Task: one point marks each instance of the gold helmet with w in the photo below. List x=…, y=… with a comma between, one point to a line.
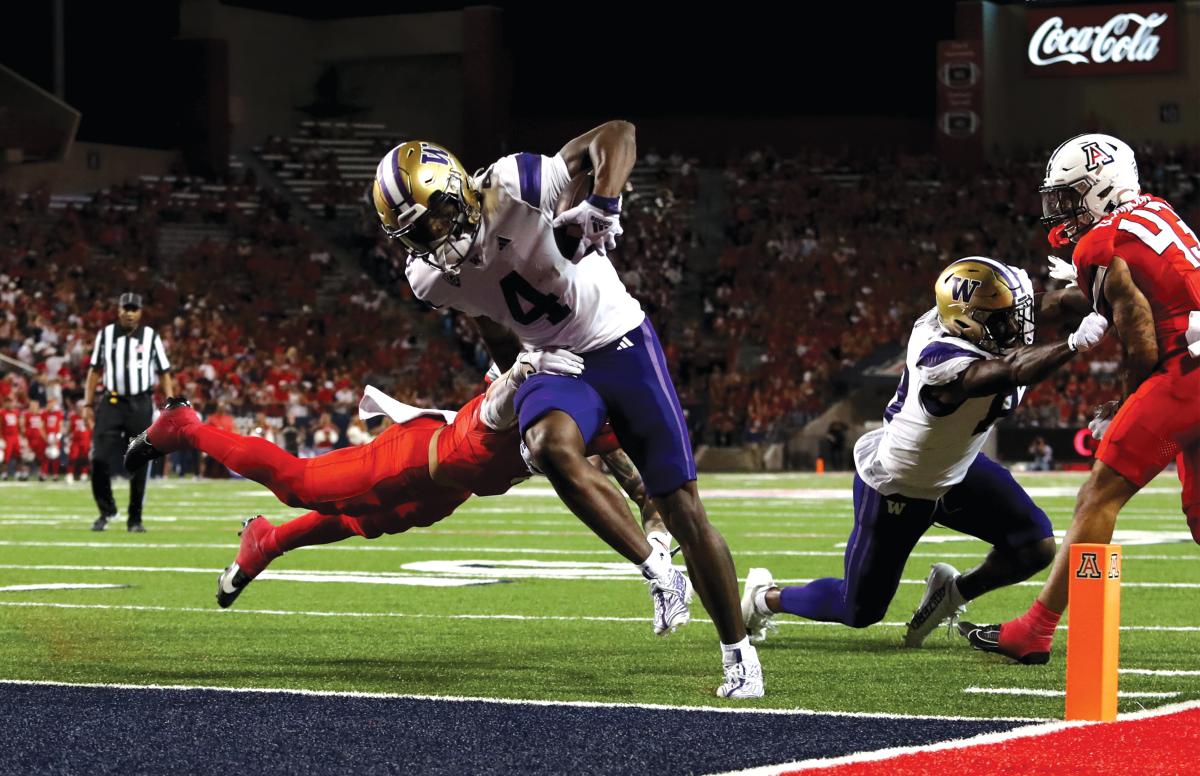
x=424, y=199
x=986, y=302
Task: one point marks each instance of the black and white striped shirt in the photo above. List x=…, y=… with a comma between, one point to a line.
x=131, y=362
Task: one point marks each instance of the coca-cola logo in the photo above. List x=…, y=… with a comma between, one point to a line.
x=1125, y=37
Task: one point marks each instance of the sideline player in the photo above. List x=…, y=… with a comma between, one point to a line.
x=968, y=362
x=1138, y=264
x=33, y=423
x=81, y=443
x=10, y=428
x=415, y=473
x=487, y=247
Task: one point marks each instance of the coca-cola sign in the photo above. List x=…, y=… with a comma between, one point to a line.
x=1097, y=40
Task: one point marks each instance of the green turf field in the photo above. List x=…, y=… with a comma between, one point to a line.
x=350, y=626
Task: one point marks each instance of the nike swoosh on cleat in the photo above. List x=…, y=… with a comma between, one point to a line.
x=227, y=580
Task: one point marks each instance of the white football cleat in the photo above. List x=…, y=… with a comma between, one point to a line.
x=743, y=679
x=671, y=595
x=941, y=603
x=758, y=624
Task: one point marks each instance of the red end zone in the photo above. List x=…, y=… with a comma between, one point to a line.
x=1154, y=742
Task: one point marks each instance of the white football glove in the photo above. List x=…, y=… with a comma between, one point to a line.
x=1063, y=270
x=1091, y=330
x=1102, y=417
x=600, y=229
x=553, y=361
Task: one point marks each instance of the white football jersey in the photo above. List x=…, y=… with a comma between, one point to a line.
x=516, y=275
x=926, y=446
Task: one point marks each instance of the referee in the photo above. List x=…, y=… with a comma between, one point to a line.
x=127, y=358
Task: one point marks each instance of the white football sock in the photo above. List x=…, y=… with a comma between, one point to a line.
x=657, y=564
x=760, y=601
x=659, y=539
x=741, y=652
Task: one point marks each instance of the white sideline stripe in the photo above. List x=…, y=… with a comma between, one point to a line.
x=511, y=701
x=359, y=577
x=59, y=586
x=1025, y=731
x=1156, y=672
x=500, y=617
x=483, y=572
x=1057, y=693
x=362, y=547
x=295, y=613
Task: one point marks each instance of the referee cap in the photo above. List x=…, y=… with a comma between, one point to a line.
x=130, y=299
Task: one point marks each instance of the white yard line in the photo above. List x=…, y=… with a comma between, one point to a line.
x=498, y=617
x=58, y=586
x=358, y=546
x=1057, y=693
x=1156, y=672
x=356, y=577
x=462, y=568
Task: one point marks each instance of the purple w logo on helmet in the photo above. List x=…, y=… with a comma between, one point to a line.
x=964, y=289
x=431, y=154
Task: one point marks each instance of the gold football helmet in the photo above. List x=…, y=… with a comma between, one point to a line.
x=986, y=302
x=424, y=199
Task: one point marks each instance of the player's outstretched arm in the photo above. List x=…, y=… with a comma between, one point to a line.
x=1134, y=321
x=503, y=346
x=1023, y=366
x=610, y=150
x=630, y=480
x=1064, y=304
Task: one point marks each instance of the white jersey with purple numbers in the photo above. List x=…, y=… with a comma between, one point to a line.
x=926, y=446
x=516, y=275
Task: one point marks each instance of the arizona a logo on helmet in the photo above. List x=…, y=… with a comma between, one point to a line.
x=1095, y=156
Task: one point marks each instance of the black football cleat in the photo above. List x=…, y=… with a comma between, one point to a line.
x=251, y=560
x=101, y=522
x=163, y=436
x=136, y=528
x=230, y=585
x=986, y=638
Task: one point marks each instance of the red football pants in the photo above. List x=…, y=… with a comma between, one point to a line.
x=370, y=490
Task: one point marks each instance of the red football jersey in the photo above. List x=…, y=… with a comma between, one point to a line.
x=54, y=421
x=79, y=424
x=485, y=461
x=35, y=424
x=10, y=421
x=1163, y=255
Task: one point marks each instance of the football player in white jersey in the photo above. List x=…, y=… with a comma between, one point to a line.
x=968, y=362
x=486, y=246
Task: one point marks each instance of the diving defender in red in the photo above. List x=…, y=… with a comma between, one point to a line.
x=415, y=473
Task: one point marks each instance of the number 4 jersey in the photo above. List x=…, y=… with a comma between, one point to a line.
x=1163, y=255
x=516, y=275
x=926, y=446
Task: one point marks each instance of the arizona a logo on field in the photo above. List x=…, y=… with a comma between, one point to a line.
x=1089, y=567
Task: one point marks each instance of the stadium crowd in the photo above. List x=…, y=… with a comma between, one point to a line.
x=257, y=330
x=823, y=264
